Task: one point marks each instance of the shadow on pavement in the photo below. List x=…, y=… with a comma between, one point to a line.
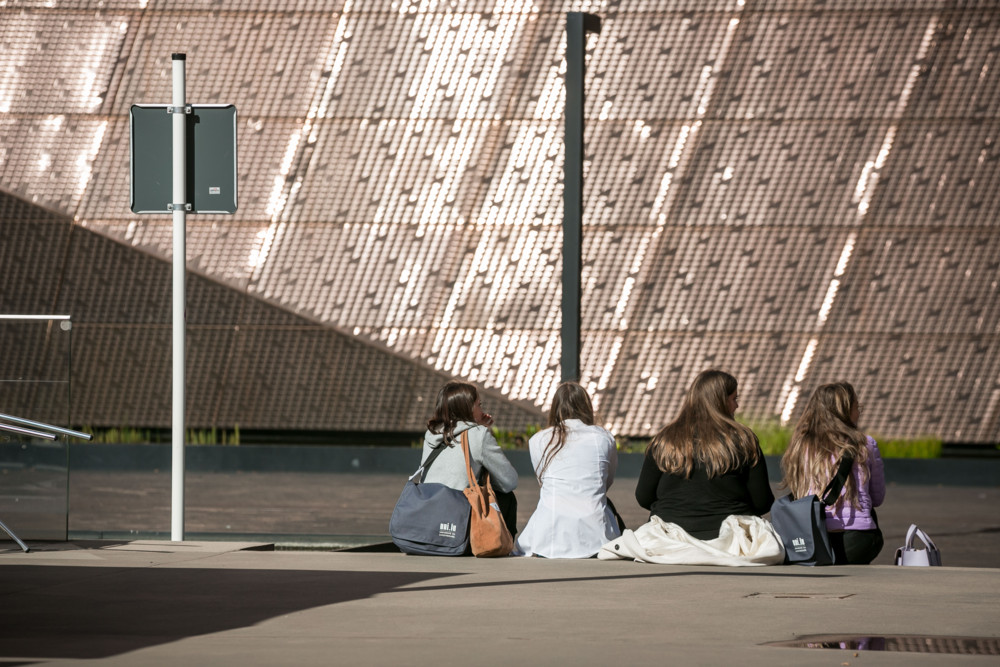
x=750, y=571
x=87, y=612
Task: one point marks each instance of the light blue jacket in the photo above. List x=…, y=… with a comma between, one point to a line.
x=449, y=467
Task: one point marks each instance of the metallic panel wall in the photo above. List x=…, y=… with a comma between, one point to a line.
x=797, y=191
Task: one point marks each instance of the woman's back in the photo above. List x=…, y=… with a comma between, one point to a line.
x=870, y=485
x=700, y=504
x=572, y=519
x=586, y=464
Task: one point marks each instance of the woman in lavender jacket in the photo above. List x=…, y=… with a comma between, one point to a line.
x=828, y=430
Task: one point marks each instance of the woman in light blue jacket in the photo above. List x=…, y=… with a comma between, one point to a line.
x=459, y=410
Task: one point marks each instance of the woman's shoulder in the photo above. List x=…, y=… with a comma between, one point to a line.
x=541, y=437
x=590, y=432
x=576, y=424
x=478, y=434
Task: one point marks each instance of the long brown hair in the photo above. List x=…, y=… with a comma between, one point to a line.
x=825, y=432
x=571, y=401
x=704, y=431
x=455, y=403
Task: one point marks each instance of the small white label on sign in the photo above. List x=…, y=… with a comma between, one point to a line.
x=214, y=190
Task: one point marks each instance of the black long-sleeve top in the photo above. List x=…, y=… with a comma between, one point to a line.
x=698, y=504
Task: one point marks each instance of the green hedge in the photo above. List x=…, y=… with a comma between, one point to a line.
x=774, y=439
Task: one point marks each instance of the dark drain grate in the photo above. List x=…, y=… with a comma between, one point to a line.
x=802, y=596
x=899, y=643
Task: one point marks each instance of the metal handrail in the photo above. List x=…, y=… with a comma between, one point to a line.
x=40, y=425
x=27, y=431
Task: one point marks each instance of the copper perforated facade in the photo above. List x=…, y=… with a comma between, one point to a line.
x=795, y=191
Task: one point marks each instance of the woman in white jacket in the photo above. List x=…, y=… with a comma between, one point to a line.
x=575, y=461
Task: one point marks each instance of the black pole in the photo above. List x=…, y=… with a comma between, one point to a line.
x=578, y=24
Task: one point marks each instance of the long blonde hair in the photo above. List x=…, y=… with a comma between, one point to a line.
x=823, y=435
x=705, y=432
x=571, y=401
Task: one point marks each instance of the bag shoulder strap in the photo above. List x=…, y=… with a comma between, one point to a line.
x=422, y=470
x=836, y=485
x=473, y=483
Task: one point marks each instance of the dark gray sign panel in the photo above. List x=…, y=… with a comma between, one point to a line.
x=211, y=158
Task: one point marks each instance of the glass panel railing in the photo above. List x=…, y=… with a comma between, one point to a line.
x=35, y=398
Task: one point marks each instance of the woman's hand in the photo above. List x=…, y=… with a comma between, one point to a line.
x=485, y=419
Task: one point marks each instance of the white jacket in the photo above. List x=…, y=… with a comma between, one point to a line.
x=572, y=519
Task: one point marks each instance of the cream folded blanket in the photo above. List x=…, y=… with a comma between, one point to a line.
x=743, y=541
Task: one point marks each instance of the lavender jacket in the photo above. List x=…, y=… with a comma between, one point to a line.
x=849, y=517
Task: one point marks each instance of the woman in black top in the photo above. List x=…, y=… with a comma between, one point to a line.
x=704, y=465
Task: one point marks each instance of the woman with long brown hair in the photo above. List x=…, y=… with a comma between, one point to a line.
x=827, y=432
x=704, y=465
x=574, y=460
x=459, y=409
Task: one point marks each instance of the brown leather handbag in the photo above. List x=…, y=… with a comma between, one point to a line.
x=488, y=534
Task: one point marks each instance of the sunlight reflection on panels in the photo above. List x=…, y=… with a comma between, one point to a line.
x=940, y=175
x=70, y=76
x=655, y=369
x=510, y=280
x=267, y=64
x=53, y=157
x=362, y=275
x=806, y=65
x=891, y=286
x=887, y=375
x=523, y=364
x=428, y=65
x=738, y=279
x=800, y=174
x=397, y=171
x=764, y=182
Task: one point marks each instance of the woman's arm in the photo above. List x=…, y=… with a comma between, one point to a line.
x=876, y=473
x=493, y=459
x=536, y=448
x=649, y=480
x=759, y=487
x=612, y=465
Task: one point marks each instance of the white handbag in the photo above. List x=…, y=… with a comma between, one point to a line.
x=910, y=555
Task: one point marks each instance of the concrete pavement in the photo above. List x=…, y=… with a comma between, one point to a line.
x=210, y=603
x=138, y=601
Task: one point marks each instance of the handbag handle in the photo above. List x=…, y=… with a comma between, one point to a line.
x=833, y=489
x=473, y=483
x=915, y=532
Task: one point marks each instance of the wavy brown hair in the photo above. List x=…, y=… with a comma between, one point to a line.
x=571, y=401
x=455, y=403
x=705, y=432
x=824, y=433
